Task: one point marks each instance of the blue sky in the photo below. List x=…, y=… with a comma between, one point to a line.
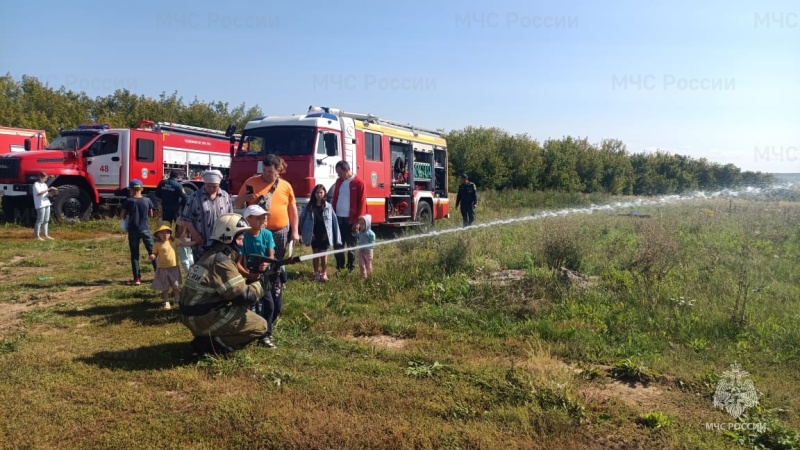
x=719, y=80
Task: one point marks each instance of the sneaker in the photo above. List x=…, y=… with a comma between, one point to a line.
x=137, y=281
x=317, y=276
x=266, y=342
x=324, y=277
x=166, y=305
x=39, y=238
x=49, y=238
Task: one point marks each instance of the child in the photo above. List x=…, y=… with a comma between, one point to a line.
x=168, y=273
x=365, y=237
x=136, y=213
x=319, y=229
x=258, y=241
x=185, y=256
x=41, y=202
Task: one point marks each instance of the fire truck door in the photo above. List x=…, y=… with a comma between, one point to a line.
x=326, y=155
x=103, y=160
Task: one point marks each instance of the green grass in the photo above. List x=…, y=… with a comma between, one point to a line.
x=468, y=340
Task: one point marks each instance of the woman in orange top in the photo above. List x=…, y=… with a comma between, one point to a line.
x=276, y=196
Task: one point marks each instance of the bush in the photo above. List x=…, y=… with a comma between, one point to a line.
x=659, y=251
x=561, y=247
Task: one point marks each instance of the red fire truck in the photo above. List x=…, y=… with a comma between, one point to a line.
x=93, y=165
x=21, y=139
x=404, y=167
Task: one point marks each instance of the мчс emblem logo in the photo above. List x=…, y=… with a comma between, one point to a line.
x=735, y=393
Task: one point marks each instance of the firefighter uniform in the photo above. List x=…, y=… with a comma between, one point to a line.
x=467, y=198
x=172, y=196
x=215, y=302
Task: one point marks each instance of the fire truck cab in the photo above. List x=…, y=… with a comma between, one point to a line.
x=404, y=167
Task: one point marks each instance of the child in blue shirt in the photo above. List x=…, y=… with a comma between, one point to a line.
x=259, y=242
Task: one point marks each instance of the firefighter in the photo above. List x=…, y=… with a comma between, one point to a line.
x=215, y=300
x=172, y=196
x=467, y=197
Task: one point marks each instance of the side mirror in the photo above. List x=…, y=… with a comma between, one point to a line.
x=27, y=145
x=230, y=131
x=232, y=140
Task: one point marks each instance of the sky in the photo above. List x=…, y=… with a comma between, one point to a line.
x=718, y=80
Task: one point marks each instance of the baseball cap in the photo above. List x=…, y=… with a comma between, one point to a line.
x=254, y=210
x=136, y=183
x=463, y=175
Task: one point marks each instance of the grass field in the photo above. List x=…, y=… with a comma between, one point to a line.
x=474, y=339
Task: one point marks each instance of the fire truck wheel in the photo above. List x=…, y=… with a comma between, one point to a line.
x=18, y=210
x=72, y=204
x=189, y=188
x=424, y=217
x=9, y=205
x=156, y=202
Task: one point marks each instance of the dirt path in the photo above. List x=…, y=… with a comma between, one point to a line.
x=11, y=310
x=11, y=313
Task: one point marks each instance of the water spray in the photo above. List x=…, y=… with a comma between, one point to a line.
x=756, y=193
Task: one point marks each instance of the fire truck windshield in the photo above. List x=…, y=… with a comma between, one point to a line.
x=71, y=141
x=279, y=140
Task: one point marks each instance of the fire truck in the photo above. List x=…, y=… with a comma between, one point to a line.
x=93, y=165
x=21, y=139
x=404, y=167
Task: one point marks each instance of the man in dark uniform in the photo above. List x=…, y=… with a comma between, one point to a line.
x=467, y=198
x=172, y=197
x=215, y=299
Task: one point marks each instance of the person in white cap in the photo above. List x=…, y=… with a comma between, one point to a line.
x=203, y=209
x=258, y=242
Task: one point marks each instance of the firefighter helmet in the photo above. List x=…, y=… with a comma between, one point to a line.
x=227, y=227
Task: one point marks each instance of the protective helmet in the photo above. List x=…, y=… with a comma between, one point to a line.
x=227, y=227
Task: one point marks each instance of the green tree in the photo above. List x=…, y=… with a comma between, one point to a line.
x=560, y=161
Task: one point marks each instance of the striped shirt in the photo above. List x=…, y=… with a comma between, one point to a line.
x=202, y=212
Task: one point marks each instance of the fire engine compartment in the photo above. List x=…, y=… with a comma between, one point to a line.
x=427, y=172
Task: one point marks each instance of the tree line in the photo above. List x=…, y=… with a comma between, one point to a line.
x=493, y=158
x=29, y=103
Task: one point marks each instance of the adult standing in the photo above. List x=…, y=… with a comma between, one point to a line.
x=202, y=210
x=41, y=202
x=467, y=198
x=136, y=213
x=172, y=196
x=349, y=204
x=276, y=196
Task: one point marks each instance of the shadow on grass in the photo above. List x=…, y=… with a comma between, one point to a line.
x=146, y=312
x=154, y=357
x=50, y=283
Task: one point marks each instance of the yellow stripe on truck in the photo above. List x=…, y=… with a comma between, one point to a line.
x=401, y=134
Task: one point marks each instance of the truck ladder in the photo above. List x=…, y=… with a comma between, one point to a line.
x=188, y=129
x=372, y=119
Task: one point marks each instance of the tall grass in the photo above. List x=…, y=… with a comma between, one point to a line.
x=469, y=340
